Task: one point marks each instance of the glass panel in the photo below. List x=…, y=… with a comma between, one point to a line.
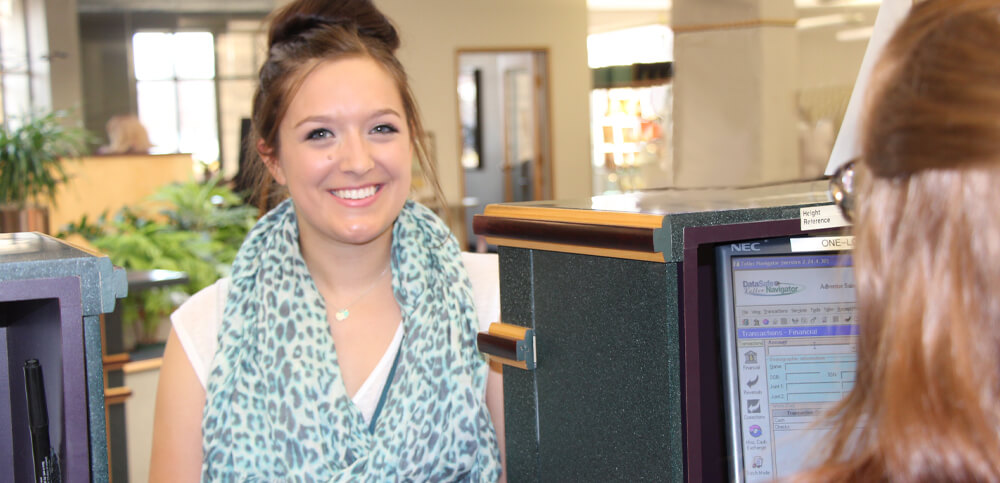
x=153, y=56
x=16, y=97
x=158, y=112
x=198, y=128
x=14, y=61
x=198, y=61
x=631, y=130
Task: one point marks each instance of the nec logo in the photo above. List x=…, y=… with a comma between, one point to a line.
x=745, y=247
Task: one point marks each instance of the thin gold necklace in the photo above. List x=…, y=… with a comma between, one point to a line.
x=344, y=313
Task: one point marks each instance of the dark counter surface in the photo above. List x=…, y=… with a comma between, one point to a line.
x=645, y=225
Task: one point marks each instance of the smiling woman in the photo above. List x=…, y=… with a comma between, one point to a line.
x=344, y=155
x=322, y=366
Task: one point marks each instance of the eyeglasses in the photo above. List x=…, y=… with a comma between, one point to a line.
x=842, y=189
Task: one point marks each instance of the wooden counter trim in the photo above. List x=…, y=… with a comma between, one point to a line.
x=567, y=215
x=595, y=236
x=116, y=395
x=142, y=365
x=115, y=362
x=578, y=249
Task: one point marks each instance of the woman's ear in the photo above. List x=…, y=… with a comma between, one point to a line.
x=270, y=159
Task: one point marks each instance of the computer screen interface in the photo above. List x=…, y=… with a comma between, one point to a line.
x=790, y=340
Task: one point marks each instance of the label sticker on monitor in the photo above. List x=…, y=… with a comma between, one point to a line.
x=819, y=217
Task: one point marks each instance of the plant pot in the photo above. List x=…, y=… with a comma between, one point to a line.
x=14, y=219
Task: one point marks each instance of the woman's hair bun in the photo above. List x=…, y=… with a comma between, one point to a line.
x=299, y=17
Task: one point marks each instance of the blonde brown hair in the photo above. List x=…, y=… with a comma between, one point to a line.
x=126, y=135
x=926, y=402
x=304, y=34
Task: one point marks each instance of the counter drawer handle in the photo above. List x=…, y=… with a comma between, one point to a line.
x=509, y=344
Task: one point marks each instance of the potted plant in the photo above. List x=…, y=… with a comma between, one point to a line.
x=192, y=227
x=32, y=154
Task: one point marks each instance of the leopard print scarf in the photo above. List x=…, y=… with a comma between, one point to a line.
x=276, y=408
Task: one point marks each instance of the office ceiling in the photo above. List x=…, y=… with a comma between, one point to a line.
x=176, y=6
x=604, y=15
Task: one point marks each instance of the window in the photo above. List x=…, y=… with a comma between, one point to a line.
x=24, y=70
x=175, y=90
x=240, y=50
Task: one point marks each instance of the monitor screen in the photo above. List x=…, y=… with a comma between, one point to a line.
x=789, y=339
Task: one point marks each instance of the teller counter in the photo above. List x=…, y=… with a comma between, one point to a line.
x=618, y=375
x=106, y=183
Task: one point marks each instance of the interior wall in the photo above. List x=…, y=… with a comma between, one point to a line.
x=432, y=32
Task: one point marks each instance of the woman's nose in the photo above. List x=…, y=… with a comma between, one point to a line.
x=354, y=154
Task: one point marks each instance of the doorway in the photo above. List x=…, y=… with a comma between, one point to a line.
x=503, y=103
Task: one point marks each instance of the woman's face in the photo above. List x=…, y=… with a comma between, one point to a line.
x=345, y=152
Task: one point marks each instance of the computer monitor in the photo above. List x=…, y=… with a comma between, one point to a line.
x=789, y=348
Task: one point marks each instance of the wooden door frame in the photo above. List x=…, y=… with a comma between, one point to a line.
x=545, y=153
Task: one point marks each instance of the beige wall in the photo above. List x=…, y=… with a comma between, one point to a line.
x=433, y=31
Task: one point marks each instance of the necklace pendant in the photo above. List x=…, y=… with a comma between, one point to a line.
x=342, y=314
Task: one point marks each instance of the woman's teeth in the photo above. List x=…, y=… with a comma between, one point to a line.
x=356, y=194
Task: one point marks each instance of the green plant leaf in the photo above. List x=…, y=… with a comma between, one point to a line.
x=32, y=156
x=192, y=227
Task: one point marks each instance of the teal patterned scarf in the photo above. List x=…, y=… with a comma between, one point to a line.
x=276, y=407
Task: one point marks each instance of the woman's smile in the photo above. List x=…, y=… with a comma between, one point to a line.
x=355, y=194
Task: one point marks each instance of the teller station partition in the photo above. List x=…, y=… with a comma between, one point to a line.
x=52, y=423
x=622, y=350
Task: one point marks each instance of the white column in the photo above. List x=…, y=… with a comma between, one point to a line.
x=735, y=78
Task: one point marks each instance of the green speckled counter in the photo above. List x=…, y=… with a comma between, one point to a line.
x=625, y=386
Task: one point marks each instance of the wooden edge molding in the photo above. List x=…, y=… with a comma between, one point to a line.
x=114, y=362
x=509, y=362
x=581, y=216
x=595, y=236
x=739, y=24
x=577, y=249
x=143, y=365
x=116, y=395
x=508, y=331
x=496, y=346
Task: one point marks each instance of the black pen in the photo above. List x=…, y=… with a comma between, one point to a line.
x=46, y=467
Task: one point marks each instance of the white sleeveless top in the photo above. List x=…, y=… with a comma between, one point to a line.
x=196, y=323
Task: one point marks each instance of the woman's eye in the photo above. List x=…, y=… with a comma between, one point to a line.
x=319, y=134
x=385, y=129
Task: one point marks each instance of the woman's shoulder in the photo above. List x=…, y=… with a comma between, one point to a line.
x=484, y=274
x=483, y=264
x=203, y=300
x=196, y=323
